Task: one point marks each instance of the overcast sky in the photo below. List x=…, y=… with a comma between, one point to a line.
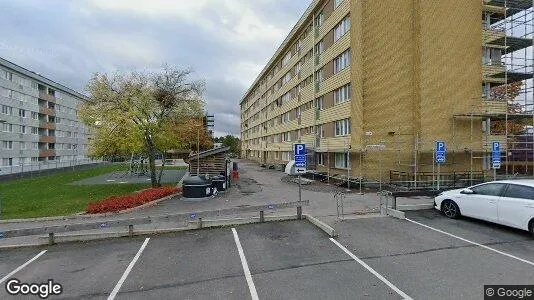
x=226, y=42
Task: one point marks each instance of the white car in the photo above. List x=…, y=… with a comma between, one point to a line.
x=506, y=202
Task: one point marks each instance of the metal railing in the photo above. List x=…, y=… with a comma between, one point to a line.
x=25, y=170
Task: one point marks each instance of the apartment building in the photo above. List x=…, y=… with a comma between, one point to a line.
x=38, y=121
x=370, y=86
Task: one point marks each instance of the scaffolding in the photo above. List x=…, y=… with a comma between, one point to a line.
x=506, y=111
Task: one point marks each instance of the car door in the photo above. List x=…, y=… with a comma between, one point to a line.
x=482, y=204
x=516, y=206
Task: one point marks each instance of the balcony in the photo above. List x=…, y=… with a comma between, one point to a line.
x=47, y=125
x=47, y=97
x=490, y=107
x=47, y=153
x=490, y=36
x=47, y=139
x=46, y=111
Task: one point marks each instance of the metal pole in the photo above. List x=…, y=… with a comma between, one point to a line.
x=348, y=169
x=415, y=161
x=434, y=165
x=439, y=170
x=361, y=173
x=300, y=191
x=198, y=151
x=494, y=174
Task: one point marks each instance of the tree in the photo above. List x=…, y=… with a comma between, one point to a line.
x=508, y=93
x=230, y=141
x=135, y=112
x=186, y=130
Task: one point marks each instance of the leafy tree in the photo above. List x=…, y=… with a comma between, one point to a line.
x=229, y=141
x=135, y=112
x=508, y=93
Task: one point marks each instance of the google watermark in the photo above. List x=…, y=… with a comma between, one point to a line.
x=43, y=290
x=509, y=292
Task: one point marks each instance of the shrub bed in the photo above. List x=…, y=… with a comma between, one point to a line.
x=118, y=203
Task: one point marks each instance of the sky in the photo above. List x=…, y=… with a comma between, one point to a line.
x=225, y=42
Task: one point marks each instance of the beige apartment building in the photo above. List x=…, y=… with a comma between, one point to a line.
x=370, y=86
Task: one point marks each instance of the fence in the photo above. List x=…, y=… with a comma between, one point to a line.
x=428, y=180
x=42, y=168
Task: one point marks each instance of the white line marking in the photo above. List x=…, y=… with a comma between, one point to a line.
x=127, y=271
x=250, y=283
x=22, y=266
x=474, y=243
x=384, y=280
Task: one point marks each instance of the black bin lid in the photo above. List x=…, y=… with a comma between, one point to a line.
x=193, y=180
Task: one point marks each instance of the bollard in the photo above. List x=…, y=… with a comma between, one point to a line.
x=262, y=218
x=130, y=230
x=51, y=238
x=199, y=223
x=299, y=212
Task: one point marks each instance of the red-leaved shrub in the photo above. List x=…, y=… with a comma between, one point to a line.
x=117, y=203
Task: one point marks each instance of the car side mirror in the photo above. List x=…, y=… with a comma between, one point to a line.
x=467, y=191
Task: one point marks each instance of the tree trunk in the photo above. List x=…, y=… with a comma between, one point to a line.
x=151, y=160
x=162, y=168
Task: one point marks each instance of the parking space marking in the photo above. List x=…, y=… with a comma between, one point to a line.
x=474, y=243
x=127, y=271
x=382, y=278
x=248, y=276
x=22, y=266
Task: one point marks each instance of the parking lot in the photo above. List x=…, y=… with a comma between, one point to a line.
x=373, y=258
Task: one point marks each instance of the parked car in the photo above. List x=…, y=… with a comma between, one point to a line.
x=506, y=202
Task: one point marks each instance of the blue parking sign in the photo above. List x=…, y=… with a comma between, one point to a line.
x=299, y=151
x=495, y=155
x=441, y=152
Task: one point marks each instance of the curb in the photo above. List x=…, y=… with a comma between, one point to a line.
x=321, y=225
x=396, y=213
x=192, y=225
x=83, y=215
x=415, y=206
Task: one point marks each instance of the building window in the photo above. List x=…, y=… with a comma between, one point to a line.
x=342, y=94
x=341, y=28
x=343, y=127
x=286, y=137
x=7, y=110
x=337, y=3
x=319, y=47
x=35, y=146
x=286, y=97
x=319, y=129
x=285, y=118
x=22, y=129
x=7, y=127
x=35, y=115
x=34, y=130
x=7, y=145
x=286, y=78
x=286, y=58
x=22, y=113
x=7, y=161
x=342, y=61
x=319, y=20
x=342, y=160
x=320, y=159
x=318, y=103
x=286, y=156
x=319, y=76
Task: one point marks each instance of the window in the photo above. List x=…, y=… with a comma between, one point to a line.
x=342, y=127
x=490, y=189
x=34, y=130
x=337, y=3
x=319, y=103
x=22, y=113
x=342, y=61
x=319, y=20
x=286, y=78
x=319, y=47
x=286, y=97
x=286, y=137
x=341, y=28
x=7, y=161
x=22, y=129
x=285, y=118
x=7, y=110
x=8, y=145
x=342, y=160
x=342, y=94
x=7, y=127
x=319, y=76
x=519, y=191
x=35, y=115
x=286, y=58
x=35, y=146
x=320, y=159
x=319, y=129
x=286, y=156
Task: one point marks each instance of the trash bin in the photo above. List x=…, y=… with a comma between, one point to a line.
x=219, y=182
x=234, y=166
x=196, y=187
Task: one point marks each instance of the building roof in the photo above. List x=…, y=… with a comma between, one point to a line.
x=284, y=44
x=210, y=152
x=16, y=68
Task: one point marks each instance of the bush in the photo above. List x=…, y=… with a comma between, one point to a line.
x=118, y=203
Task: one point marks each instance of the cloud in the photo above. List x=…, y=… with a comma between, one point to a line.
x=227, y=42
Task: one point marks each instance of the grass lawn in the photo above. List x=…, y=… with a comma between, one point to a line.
x=52, y=195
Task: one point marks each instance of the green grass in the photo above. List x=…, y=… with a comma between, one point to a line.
x=53, y=195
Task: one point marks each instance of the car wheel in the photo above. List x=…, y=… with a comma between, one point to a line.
x=531, y=227
x=450, y=209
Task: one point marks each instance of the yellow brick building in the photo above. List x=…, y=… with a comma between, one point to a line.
x=370, y=86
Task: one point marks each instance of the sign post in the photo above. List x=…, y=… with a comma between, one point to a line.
x=495, y=158
x=299, y=151
x=441, y=152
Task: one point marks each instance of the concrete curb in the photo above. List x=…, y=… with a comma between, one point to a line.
x=83, y=215
x=192, y=225
x=415, y=206
x=396, y=213
x=321, y=225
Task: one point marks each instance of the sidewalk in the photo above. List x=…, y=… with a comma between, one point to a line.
x=256, y=186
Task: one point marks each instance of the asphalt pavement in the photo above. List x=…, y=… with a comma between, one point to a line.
x=426, y=256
